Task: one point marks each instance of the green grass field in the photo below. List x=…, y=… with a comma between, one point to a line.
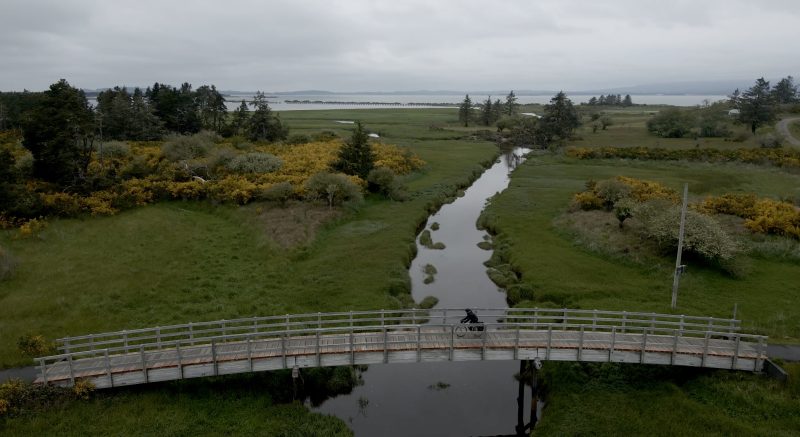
x=542, y=189
x=182, y=261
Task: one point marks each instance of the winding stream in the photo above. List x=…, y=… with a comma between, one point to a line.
x=449, y=398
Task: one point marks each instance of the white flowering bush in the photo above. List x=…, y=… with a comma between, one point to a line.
x=257, y=162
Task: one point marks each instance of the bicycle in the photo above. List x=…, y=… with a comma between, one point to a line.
x=465, y=327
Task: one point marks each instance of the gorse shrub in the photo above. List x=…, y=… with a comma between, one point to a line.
x=256, y=162
x=606, y=193
x=765, y=216
x=35, y=345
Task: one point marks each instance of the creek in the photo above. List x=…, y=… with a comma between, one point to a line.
x=447, y=398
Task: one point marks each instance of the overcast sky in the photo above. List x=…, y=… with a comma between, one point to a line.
x=394, y=44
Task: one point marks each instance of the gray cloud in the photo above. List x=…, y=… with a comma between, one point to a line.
x=388, y=45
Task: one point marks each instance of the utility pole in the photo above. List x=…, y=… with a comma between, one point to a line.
x=678, y=266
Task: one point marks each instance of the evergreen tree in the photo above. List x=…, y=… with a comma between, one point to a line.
x=628, y=101
x=560, y=118
x=486, y=112
x=757, y=105
x=465, y=111
x=511, y=106
x=785, y=91
x=59, y=134
x=497, y=110
x=356, y=156
x=263, y=125
x=241, y=118
x=593, y=101
x=602, y=100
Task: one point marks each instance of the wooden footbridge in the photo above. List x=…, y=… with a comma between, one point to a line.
x=398, y=336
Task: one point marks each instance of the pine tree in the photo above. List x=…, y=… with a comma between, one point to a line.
x=356, y=156
x=757, y=105
x=560, y=118
x=465, y=111
x=486, y=112
x=511, y=106
x=59, y=134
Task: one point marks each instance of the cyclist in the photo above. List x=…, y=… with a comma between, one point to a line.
x=470, y=318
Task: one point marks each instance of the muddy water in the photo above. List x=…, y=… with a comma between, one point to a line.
x=450, y=398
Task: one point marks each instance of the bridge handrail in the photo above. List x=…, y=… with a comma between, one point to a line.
x=355, y=318
x=278, y=335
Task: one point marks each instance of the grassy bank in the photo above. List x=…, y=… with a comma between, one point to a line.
x=567, y=272
x=545, y=254
x=185, y=261
x=656, y=401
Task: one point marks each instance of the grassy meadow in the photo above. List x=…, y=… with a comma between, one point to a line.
x=182, y=261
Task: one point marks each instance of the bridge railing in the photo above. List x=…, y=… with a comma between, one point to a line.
x=199, y=332
x=239, y=345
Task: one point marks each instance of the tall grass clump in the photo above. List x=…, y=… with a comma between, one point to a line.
x=8, y=264
x=186, y=147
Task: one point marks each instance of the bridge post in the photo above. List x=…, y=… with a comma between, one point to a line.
x=71, y=370
x=386, y=343
x=214, y=357
x=144, y=364
x=516, y=345
x=624, y=320
x=594, y=320
x=644, y=346
x=520, y=428
x=44, y=370
x=180, y=359
x=613, y=343
x=452, y=340
x=736, y=352
x=580, y=344
x=705, y=350
x=419, y=343
x=674, y=349
x=483, y=342
x=319, y=358
x=108, y=368
x=549, y=339
x=250, y=352
x=283, y=349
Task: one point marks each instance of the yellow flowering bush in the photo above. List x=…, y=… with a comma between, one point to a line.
x=233, y=189
x=766, y=216
x=32, y=227
x=191, y=190
x=642, y=190
x=99, y=203
x=605, y=193
x=400, y=160
x=61, y=204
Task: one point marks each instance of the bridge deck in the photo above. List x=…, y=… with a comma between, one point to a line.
x=420, y=343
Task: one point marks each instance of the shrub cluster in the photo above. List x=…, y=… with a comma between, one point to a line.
x=18, y=397
x=123, y=175
x=779, y=157
x=656, y=208
x=607, y=193
x=765, y=216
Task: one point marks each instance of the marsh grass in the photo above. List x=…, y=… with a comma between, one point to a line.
x=567, y=274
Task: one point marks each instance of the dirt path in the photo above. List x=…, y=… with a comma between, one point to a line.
x=783, y=128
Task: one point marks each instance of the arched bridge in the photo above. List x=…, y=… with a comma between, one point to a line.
x=399, y=336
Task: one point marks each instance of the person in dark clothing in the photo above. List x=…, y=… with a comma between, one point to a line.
x=470, y=318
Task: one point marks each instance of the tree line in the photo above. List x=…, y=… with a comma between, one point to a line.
x=60, y=128
x=556, y=124
x=611, y=100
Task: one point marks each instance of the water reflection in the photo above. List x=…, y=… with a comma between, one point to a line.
x=449, y=398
